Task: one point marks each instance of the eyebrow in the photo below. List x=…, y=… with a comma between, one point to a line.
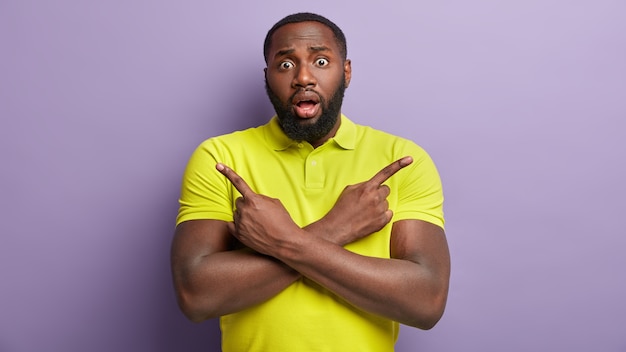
x=319, y=48
x=284, y=52
x=315, y=49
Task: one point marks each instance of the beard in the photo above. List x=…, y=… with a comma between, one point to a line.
x=294, y=127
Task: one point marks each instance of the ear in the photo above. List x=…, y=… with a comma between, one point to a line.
x=347, y=70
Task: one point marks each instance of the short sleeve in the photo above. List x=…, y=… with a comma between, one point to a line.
x=205, y=193
x=420, y=191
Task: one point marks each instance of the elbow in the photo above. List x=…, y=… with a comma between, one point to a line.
x=428, y=322
x=194, y=318
x=428, y=316
x=191, y=307
x=193, y=315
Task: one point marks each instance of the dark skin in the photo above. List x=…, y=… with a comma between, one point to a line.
x=224, y=267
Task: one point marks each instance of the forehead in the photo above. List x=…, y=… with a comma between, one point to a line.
x=307, y=34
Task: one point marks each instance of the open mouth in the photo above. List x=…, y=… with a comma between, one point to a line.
x=306, y=104
x=306, y=108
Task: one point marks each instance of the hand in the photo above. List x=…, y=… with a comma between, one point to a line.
x=361, y=209
x=259, y=222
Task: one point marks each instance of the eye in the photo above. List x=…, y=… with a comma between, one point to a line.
x=285, y=65
x=321, y=62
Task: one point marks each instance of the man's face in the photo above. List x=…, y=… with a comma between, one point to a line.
x=305, y=80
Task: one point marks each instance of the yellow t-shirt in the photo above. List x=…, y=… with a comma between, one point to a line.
x=306, y=316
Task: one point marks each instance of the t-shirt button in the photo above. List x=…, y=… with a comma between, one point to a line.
x=313, y=162
x=300, y=145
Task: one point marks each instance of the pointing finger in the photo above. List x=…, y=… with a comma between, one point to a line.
x=390, y=170
x=235, y=179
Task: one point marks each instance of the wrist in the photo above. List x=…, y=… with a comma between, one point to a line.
x=326, y=229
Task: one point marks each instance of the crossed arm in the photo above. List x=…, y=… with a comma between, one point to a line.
x=221, y=268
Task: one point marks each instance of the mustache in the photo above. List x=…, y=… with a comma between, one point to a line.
x=288, y=104
x=305, y=90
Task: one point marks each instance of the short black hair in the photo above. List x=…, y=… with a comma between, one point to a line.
x=340, y=38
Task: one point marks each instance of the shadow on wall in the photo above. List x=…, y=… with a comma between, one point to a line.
x=257, y=109
x=237, y=104
x=175, y=332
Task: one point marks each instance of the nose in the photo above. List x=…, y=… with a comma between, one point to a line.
x=303, y=77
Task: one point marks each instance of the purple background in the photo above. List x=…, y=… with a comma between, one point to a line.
x=521, y=104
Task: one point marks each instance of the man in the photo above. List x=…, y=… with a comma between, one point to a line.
x=310, y=232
